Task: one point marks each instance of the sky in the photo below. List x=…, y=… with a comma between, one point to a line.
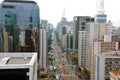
x=52, y=10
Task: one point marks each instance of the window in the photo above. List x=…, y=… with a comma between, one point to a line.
x=30, y=19
x=8, y=6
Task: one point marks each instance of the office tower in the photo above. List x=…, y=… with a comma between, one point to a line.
x=18, y=66
x=105, y=63
x=79, y=25
x=17, y=16
x=43, y=51
x=80, y=39
x=115, y=75
x=69, y=42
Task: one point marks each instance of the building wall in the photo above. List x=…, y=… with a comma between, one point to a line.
x=80, y=24
x=26, y=63
x=69, y=42
x=23, y=13
x=99, y=47
x=64, y=41
x=82, y=49
x=106, y=64
x=43, y=51
x=96, y=31
x=91, y=35
x=20, y=16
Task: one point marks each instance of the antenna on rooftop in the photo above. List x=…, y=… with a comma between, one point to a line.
x=101, y=7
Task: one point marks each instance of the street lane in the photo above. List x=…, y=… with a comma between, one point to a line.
x=66, y=69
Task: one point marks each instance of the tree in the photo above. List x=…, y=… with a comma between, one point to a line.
x=50, y=59
x=43, y=76
x=49, y=48
x=86, y=72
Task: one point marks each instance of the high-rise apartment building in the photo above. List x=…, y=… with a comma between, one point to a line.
x=80, y=38
x=79, y=25
x=101, y=46
x=16, y=17
x=96, y=31
x=105, y=63
x=43, y=51
x=104, y=42
x=82, y=49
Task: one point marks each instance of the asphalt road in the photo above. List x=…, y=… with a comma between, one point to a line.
x=67, y=73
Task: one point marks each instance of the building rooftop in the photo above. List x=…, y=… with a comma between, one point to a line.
x=116, y=72
x=21, y=1
x=16, y=58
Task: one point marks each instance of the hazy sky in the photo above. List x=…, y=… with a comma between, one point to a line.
x=52, y=10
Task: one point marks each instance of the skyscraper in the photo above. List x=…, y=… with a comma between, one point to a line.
x=43, y=51
x=17, y=16
x=80, y=38
x=102, y=27
x=79, y=25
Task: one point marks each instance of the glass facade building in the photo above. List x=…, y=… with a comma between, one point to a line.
x=18, y=16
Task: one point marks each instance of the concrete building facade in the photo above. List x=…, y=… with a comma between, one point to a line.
x=43, y=51
x=82, y=49
x=97, y=48
x=105, y=63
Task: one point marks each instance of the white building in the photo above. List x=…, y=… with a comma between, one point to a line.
x=43, y=50
x=82, y=49
x=97, y=48
x=96, y=31
x=105, y=63
x=18, y=66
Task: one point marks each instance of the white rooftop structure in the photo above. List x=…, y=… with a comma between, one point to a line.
x=16, y=61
